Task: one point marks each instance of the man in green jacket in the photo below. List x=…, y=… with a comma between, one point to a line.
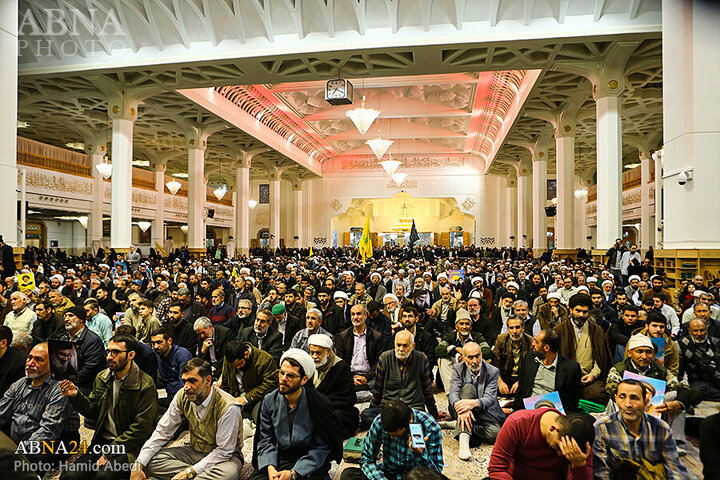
x=123, y=403
x=248, y=374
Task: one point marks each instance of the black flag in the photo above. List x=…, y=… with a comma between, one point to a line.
x=414, y=237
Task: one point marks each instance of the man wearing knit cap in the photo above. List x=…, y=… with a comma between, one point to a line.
x=334, y=380
x=297, y=435
x=585, y=342
x=90, y=348
x=640, y=360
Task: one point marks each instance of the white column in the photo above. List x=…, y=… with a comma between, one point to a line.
x=197, y=193
x=242, y=210
x=502, y=212
x=524, y=208
x=122, y=154
x=646, y=224
x=275, y=212
x=565, y=169
x=8, y=120
x=299, y=217
x=691, y=123
x=95, y=219
x=579, y=214
x=609, y=170
x=539, y=194
x=511, y=212
x=157, y=232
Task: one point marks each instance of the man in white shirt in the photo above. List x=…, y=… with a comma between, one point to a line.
x=20, y=319
x=626, y=260
x=216, y=435
x=668, y=311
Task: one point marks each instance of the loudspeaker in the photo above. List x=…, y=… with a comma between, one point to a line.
x=550, y=211
x=211, y=213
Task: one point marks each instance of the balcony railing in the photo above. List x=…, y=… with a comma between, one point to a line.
x=46, y=163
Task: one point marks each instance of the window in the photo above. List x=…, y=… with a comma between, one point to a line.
x=264, y=193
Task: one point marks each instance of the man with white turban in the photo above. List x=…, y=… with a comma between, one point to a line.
x=334, y=380
x=297, y=431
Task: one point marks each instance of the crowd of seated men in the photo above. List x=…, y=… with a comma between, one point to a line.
x=311, y=350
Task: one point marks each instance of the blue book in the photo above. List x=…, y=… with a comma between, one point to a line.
x=547, y=400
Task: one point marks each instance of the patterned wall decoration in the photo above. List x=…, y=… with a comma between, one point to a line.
x=320, y=240
x=336, y=204
x=145, y=198
x=58, y=183
x=177, y=203
x=262, y=218
x=487, y=241
x=407, y=185
x=370, y=163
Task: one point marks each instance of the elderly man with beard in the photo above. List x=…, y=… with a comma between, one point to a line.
x=392, y=309
x=222, y=313
x=656, y=286
x=33, y=409
x=376, y=290
x=248, y=375
x=123, y=404
x=508, y=355
x=211, y=343
x=313, y=322
x=216, y=433
x=586, y=343
x=444, y=309
x=60, y=303
x=20, y=319
x=632, y=435
x=449, y=351
x=90, y=348
x=700, y=359
x=297, y=434
x=262, y=336
x=402, y=374
x=678, y=397
x=553, y=312
x=361, y=346
x=334, y=380
x=473, y=400
x=245, y=315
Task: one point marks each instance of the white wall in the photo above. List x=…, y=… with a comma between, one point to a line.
x=69, y=234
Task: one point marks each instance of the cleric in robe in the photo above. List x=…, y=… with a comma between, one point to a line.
x=297, y=435
x=334, y=380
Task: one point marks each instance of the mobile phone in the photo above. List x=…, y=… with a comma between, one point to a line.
x=416, y=436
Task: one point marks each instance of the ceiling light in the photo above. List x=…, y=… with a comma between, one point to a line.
x=83, y=221
x=104, y=169
x=76, y=145
x=363, y=117
x=580, y=193
x=184, y=229
x=632, y=165
x=173, y=186
x=379, y=146
x=22, y=124
x=141, y=163
x=220, y=192
x=252, y=204
x=399, y=178
x=180, y=175
x=144, y=226
x=391, y=166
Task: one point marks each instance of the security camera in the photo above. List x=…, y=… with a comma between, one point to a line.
x=684, y=177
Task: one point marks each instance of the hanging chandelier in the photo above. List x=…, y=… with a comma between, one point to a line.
x=143, y=225
x=363, y=117
x=379, y=145
x=399, y=178
x=580, y=193
x=404, y=222
x=104, y=169
x=252, y=204
x=220, y=192
x=173, y=186
x=390, y=166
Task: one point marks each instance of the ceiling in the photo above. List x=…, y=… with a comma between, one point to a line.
x=422, y=63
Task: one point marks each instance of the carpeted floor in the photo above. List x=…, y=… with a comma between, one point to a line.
x=455, y=468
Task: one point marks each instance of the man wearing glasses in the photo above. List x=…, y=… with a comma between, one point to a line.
x=123, y=404
x=297, y=431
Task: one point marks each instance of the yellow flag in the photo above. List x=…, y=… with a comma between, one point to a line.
x=235, y=273
x=160, y=248
x=365, y=246
x=311, y=252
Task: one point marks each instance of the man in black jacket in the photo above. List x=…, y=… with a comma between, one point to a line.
x=362, y=365
x=211, y=343
x=288, y=325
x=48, y=323
x=622, y=330
x=12, y=360
x=424, y=341
x=90, y=348
x=547, y=371
x=183, y=334
x=380, y=322
x=263, y=336
x=333, y=317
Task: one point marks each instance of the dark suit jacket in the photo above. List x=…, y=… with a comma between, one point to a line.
x=345, y=341
x=503, y=357
x=91, y=358
x=381, y=323
x=292, y=326
x=272, y=343
x=490, y=327
x=55, y=327
x=567, y=382
x=221, y=337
